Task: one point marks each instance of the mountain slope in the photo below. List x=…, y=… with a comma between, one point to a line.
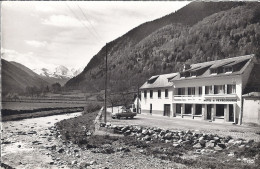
x=16, y=77
x=195, y=33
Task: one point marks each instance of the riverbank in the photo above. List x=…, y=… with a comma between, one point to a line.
x=137, y=146
x=9, y=115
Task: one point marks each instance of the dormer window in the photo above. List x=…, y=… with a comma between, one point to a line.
x=182, y=75
x=193, y=74
x=214, y=71
x=228, y=69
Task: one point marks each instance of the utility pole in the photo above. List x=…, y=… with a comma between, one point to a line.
x=105, y=116
x=137, y=99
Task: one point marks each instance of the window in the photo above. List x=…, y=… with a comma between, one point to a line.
x=166, y=93
x=151, y=93
x=213, y=71
x=178, y=108
x=219, y=89
x=181, y=91
x=231, y=89
x=182, y=75
x=145, y=94
x=193, y=74
x=159, y=94
x=200, y=91
x=208, y=90
x=188, y=108
x=191, y=90
x=228, y=69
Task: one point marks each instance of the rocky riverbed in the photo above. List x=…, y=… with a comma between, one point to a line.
x=26, y=143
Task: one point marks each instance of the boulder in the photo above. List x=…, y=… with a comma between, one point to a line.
x=156, y=129
x=128, y=132
x=74, y=162
x=221, y=145
x=250, y=141
x=61, y=150
x=162, y=133
x=210, y=144
x=151, y=132
x=238, y=142
x=144, y=132
x=241, y=146
x=168, y=136
x=197, y=145
x=188, y=132
x=155, y=136
x=176, y=145
x=201, y=138
x=139, y=135
x=202, y=142
x=124, y=129
x=147, y=138
x=180, y=141
x=168, y=141
x=186, y=142
x=217, y=139
x=218, y=148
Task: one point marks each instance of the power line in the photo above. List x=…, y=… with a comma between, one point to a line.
x=85, y=16
x=83, y=24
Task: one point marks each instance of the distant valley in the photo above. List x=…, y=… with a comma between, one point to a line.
x=16, y=78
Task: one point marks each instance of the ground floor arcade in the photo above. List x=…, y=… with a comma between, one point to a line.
x=213, y=112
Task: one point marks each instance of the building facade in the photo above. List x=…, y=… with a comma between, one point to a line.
x=157, y=95
x=207, y=91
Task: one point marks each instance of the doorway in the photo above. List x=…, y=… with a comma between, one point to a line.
x=231, y=113
x=220, y=108
x=209, y=107
x=167, y=110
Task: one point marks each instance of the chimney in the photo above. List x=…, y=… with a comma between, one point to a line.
x=186, y=67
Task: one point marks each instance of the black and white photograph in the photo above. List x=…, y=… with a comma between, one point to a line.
x=130, y=84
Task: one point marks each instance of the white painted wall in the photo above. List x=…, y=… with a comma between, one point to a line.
x=251, y=111
x=157, y=103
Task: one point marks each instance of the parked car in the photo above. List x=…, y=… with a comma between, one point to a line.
x=123, y=112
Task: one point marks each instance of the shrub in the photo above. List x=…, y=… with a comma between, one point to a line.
x=91, y=108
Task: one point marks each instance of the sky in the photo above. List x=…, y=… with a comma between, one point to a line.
x=46, y=34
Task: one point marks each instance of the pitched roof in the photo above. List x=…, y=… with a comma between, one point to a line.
x=216, y=64
x=160, y=81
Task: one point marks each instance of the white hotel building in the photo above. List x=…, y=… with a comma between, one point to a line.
x=207, y=91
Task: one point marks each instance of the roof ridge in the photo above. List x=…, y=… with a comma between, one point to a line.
x=224, y=59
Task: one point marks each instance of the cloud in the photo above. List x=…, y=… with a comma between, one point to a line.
x=35, y=43
x=65, y=21
x=28, y=59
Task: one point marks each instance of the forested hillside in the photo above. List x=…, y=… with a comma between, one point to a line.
x=201, y=31
x=16, y=77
